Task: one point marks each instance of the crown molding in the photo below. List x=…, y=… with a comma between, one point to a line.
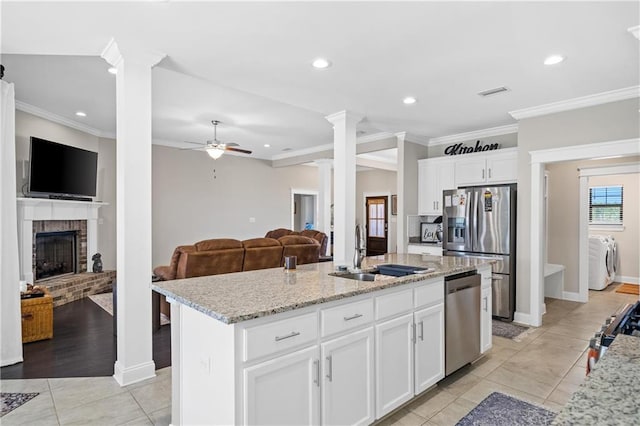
x=329, y=147
x=374, y=137
x=635, y=31
x=576, y=103
x=304, y=151
x=39, y=112
x=477, y=134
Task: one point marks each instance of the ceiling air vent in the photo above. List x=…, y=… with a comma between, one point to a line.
x=493, y=91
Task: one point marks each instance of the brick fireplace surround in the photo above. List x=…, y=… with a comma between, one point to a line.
x=43, y=215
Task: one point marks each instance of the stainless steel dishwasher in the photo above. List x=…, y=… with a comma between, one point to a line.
x=462, y=320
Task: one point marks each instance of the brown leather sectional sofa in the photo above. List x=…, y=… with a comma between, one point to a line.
x=320, y=237
x=225, y=255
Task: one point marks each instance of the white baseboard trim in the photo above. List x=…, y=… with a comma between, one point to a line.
x=629, y=280
x=522, y=318
x=573, y=297
x=126, y=376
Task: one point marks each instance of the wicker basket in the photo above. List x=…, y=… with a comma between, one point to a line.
x=37, y=318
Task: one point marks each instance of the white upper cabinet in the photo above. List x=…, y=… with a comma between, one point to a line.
x=493, y=167
x=434, y=176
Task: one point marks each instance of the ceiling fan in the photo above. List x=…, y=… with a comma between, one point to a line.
x=215, y=148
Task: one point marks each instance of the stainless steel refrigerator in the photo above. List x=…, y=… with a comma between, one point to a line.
x=481, y=221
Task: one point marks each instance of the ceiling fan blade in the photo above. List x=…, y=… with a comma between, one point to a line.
x=244, y=151
x=231, y=144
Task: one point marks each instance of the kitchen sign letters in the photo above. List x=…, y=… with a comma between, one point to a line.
x=459, y=148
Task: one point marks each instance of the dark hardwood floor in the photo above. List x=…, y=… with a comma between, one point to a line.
x=83, y=345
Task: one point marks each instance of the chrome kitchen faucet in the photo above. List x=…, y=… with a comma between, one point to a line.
x=360, y=248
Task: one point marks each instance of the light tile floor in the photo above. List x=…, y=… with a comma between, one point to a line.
x=545, y=367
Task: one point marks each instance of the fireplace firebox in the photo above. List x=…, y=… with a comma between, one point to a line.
x=55, y=254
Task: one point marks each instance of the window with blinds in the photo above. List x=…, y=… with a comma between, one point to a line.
x=605, y=205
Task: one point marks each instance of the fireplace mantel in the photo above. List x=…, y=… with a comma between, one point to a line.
x=30, y=209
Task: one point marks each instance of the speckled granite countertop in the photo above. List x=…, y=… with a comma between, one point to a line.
x=242, y=296
x=610, y=394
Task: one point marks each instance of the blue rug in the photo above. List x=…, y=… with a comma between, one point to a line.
x=502, y=410
x=11, y=401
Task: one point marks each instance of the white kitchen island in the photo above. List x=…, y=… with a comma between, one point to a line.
x=305, y=347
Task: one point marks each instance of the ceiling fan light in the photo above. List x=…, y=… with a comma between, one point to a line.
x=215, y=152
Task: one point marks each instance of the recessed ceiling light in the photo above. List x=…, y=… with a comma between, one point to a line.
x=409, y=100
x=81, y=114
x=321, y=63
x=553, y=59
x=266, y=145
x=113, y=70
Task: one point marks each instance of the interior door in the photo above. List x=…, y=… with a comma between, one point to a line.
x=377, y=226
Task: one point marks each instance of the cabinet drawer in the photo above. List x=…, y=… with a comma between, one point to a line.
x=274, y=337
x=346, y=317
x=393, y=304
x=429, y=293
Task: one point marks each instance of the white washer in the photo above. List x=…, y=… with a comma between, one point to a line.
x=601, y=262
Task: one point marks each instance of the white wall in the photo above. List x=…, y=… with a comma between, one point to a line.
x=377, y=182
x=564, y=208
x=28, y=125
x=190, y=205
x=607, y=122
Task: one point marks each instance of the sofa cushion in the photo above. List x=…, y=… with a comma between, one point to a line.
x=307, y=250
x=320, y=237
x=166, y=273
x=218, y=244
x=262, y=253
x=280, y=232
x=211, y=262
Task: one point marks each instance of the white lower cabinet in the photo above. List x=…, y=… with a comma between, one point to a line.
x=485, y=320
x=347, y=379
x=283, y=391
x=348, y=362
x=433, y=250
x=409, y=357
x=429, y=356
x=486, y=310
x=394, y=364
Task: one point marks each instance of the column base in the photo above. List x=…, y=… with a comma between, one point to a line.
x=126, y=376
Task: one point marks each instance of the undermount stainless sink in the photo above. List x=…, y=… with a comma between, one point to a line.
x=359, y=276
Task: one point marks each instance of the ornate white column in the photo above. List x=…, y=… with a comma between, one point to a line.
x=401, y=224
x=134, y=361
x=344, y=185
x=324, y=198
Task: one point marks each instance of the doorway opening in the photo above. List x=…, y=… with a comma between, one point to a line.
x=377, y=225
x=304, y=209
x=539, y=160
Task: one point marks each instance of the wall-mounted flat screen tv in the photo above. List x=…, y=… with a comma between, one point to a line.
x=57, y=169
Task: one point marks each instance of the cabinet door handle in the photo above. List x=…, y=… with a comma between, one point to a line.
x=292, y=334
x=434, y=205
x=316, y=366
x=484, y=304
x=330, y=368
x=352, y=317
x=27, y=316
x=413, y=332
x=482, y=173
x=437, y=204
x=422, y=330
x=489, y=173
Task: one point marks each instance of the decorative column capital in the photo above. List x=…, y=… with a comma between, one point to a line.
x=401, y=136
x=114, y=54
x=347, y=116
